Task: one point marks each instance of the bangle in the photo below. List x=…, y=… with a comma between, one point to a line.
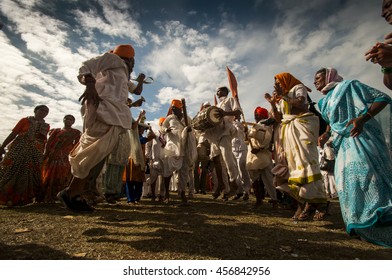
x=367, y=116
x=386, y=70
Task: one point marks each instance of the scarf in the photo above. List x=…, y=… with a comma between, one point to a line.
x=332, y=78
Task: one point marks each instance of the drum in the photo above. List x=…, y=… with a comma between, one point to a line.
x=206, y=118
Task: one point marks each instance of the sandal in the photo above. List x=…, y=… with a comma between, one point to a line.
x=322, y=212
x=319, y=215
x=305, y=214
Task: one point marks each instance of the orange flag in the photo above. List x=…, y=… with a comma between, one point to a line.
x=232, y=82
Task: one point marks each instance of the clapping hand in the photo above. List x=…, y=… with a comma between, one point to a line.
x=271, y=99
x=381, y=53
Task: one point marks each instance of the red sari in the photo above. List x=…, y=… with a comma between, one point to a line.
x=56, y=170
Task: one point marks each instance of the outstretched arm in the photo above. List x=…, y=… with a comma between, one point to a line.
x=136, y=123
x=139, y=87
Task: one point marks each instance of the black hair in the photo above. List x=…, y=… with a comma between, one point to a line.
x=322, y=71
x=40, y=107
x=226, y=89
x=69, y=116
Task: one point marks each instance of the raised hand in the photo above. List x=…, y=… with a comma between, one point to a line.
x=140, y=78
x=269, y=98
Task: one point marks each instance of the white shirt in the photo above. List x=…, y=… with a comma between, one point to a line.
x=112, y=85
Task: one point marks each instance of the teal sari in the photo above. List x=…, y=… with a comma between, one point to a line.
x=363, y=170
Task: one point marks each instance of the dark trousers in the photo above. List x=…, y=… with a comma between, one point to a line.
x=134, y=190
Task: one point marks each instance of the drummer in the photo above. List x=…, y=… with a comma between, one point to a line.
x=221, y=136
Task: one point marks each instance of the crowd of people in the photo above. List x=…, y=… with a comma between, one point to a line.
x=291, y=153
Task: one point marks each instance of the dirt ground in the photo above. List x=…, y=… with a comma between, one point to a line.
x=206, y=229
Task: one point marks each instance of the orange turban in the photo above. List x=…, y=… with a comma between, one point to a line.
x=161, y=120
x=288, y=81
x=176, y=103
x=125, y=51
x=262, y=112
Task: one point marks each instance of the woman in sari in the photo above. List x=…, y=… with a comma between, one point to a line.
x=20, y=169
x=363, y=167
x=297, y=168
x=56, y=170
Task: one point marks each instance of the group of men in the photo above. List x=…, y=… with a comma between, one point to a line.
x=237, y=157
x=176, y=150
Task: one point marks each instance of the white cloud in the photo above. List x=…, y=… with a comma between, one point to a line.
x=44, y=39
x=184, y=60
x=116, y=21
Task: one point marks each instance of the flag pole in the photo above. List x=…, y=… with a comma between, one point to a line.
x=234, y=92
x=233, y=88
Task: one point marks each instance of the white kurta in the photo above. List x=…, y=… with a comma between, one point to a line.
x=180, y=149
x=102, y=125
x=221, y=136
x=260, y=164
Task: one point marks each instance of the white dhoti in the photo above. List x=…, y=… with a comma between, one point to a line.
x=95, y=144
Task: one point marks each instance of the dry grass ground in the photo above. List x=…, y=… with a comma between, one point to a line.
x=207, y=229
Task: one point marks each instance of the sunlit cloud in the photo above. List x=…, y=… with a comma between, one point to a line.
x=186, y=54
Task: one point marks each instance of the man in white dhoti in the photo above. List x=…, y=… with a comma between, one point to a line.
x=221, y=135
x=106, y=116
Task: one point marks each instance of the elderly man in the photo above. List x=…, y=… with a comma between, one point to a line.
x=106, y=116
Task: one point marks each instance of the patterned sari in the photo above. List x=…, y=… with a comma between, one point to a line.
x=20, y=170
x=56, y=171
x=363, y=167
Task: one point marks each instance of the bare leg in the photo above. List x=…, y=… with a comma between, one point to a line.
x=300, y=209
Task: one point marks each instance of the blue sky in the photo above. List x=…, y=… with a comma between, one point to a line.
x=184, y=45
